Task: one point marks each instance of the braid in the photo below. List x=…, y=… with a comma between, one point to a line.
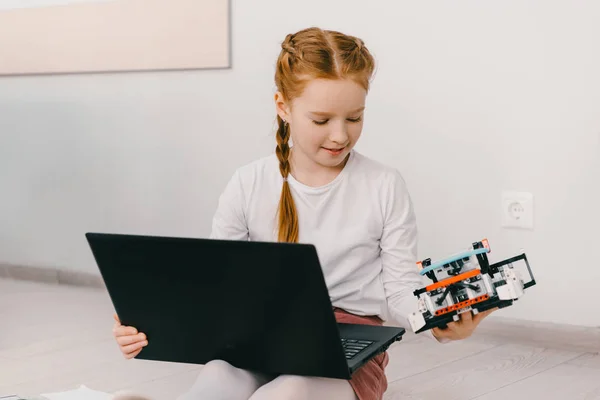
x=359, y=44
x=283, y=148
x=289, y=56
x=288, y=218
x=288, y=44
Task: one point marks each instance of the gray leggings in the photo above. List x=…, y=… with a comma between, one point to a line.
x=219, y=380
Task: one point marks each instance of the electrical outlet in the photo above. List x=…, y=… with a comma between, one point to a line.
x=517, y=210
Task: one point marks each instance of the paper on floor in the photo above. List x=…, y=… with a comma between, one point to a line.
x=83, y=393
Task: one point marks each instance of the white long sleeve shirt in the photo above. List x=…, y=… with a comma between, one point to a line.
x=362, y=225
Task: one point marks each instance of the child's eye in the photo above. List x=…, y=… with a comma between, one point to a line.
x=323, y=122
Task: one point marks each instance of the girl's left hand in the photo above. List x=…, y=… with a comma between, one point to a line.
x=463, y=328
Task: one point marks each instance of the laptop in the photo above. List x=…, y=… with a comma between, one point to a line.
x=261, y=306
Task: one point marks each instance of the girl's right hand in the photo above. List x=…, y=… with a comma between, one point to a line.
x=129, y=339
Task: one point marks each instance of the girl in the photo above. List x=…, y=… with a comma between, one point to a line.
x=356, y=211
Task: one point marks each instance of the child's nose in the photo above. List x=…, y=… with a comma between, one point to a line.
x=339, y=134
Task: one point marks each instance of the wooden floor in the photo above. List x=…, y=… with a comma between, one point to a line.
x=56, y=338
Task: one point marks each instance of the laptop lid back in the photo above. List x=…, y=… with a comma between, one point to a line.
x=257, y=305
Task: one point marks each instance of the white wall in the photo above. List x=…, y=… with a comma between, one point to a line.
x=471, y=98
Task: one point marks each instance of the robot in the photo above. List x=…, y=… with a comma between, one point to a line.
x=467, y=282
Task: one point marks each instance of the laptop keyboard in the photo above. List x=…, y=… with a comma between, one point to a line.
x=353, y=346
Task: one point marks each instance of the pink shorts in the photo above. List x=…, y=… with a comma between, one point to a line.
x=369, y=382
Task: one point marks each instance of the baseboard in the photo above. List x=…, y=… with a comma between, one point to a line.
x=51, y=276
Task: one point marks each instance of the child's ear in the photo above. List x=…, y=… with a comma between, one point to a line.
x=281, y=107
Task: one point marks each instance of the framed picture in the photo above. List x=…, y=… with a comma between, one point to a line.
x=79, y=36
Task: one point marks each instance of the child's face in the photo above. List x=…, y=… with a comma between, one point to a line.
x=327, y=120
